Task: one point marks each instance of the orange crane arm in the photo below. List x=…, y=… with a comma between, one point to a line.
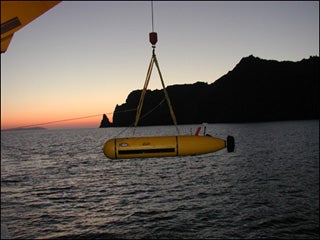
x=16, y=14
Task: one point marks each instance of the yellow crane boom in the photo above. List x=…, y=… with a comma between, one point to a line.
x=16, y=14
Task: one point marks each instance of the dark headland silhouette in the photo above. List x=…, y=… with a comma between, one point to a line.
x=105, y=122
x=255, y=90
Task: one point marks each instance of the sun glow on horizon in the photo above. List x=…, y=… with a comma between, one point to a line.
x=75, y=122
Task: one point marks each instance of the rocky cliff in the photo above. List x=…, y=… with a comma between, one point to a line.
x=255, y=90
x=105, y=122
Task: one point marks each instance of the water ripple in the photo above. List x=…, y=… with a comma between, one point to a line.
x=58, y=185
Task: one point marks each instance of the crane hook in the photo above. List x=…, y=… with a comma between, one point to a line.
x=153, y=38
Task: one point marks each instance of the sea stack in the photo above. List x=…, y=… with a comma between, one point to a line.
x=105, y=122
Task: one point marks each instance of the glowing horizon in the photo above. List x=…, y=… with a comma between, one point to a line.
x=77, y=122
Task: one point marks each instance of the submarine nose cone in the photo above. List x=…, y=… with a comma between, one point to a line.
x=109, y=149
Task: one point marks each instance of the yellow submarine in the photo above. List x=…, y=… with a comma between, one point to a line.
x=165, y=146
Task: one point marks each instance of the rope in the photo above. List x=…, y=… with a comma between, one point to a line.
x=154, y=60
x=153, y=40
x=70, y=119
x=58, y=121
x=143, y=92
x=142, y=117
x=167, y=96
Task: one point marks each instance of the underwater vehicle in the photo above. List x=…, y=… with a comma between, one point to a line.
x=165, y=146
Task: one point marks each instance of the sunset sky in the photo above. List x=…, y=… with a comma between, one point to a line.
x=82, y=58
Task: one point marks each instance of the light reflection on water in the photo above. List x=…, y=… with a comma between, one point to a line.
x=58, y=183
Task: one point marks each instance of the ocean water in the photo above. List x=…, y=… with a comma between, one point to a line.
x=57, y=184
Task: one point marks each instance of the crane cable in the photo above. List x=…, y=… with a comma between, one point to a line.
x=153, y=38
x=152, y=16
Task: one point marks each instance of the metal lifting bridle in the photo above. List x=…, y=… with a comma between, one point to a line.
x=153, y=38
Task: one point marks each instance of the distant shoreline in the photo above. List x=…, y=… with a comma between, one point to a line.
x=19, y=129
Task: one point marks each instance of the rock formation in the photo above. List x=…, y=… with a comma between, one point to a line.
x=255, y=90
x=105, y=122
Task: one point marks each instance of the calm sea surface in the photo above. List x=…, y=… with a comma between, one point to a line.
x=58, y=184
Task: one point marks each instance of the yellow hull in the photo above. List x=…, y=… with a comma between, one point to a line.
x=163, y=146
